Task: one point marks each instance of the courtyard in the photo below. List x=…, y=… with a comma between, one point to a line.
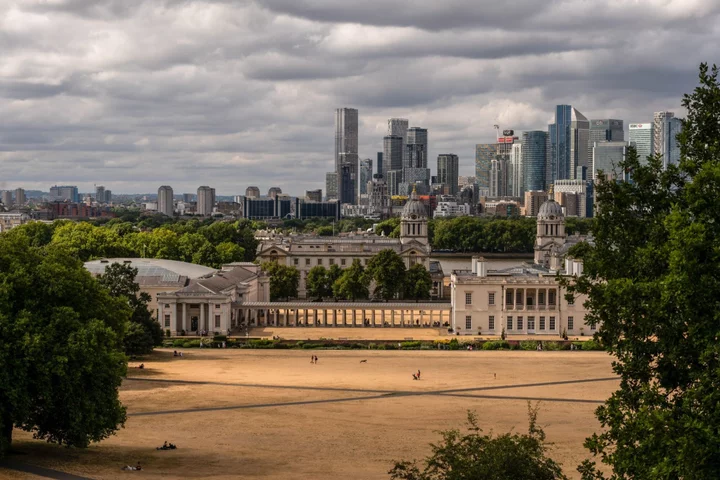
x=271, y=414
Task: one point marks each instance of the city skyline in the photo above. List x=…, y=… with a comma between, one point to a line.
x=106, y=109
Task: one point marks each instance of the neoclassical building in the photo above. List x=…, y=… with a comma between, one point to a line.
x=307, y=251
x=527, y=299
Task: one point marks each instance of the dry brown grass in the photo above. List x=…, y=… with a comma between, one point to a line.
x=349, y=438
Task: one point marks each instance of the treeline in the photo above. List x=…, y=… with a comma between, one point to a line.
x=203, y=243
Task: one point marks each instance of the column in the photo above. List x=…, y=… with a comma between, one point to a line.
x=402, y=317
x=325, y=314
x=202, y=317
x=432, y=318
x=297, y=317
x=344, y=317
x=382, y=318
x=392, y=317
x=354, y=315
x=372, y=320
x=185, y=324
x=315, y=318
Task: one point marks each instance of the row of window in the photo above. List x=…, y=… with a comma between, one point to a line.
x=296, y=261
x=217, y=306
x=519, y=301
x=518, y=322
x=491, y=322
x=167, y=321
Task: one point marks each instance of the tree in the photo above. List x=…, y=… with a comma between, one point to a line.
x=144, y=332
x=353, y=283
x=61, y=347
x=387, y=270
x=652, y=279
x=284, y=280
x=317, y=283
x=475, y=455
x=228, y=252
x=389, y=227
x=418, y=283
x=333, y=274
x=85, y=241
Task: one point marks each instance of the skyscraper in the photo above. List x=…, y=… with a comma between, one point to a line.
x=392, y=154
x=605, y=130
x=346, y=153
x=252, y=192
x=641, y=137
x=379, y=166
x=534, y=159
x=415, y=163
x=205, y=200
x=448, y=170
x=66, y=192
x=165, y=200
x=274, y=192
x=399, y=127
x=485, y=153
x=99, y=194
x=579, y=144
x=331, y=180
x=20, y=196
x=366, y=174
x=498, y=177
x=516, y=187
x=606, y=158
x=7, y=198
x=665, y=130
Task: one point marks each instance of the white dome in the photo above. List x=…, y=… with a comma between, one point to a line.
x=414, y=208
x=550, y=209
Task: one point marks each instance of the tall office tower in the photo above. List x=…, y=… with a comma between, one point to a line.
x=533, y=200
x=20, y=196
x=188, y=197
x=252, y=192
x=399, y=127
x=575, y=196
x=665, y=130
x=448, y=171
x=516, y=188
x=331, y=180
x=346, y=153
x=205, y=200
x=416, y=148
x=274, y=192
x=568, y=146
x=641, y=137
x=67, y=192
x=607, y=157
x=366, y=174
x=485, y=153
x=314, y=195
x=108, y=196
x=393, y=147
x=393, y=179
x=7, y=198
x=498, y=177
x=165, y=200
x=99, y=194
x=605, y=130
x=534, y=160
x=379, y=166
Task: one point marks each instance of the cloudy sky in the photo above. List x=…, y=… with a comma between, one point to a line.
x=134, y=94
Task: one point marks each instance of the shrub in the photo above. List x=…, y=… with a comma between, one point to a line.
x=390, y=346
x=591, y=345
x=178, y=342
x=280, y=346
x=554, y=346
x=260, y=343
x=167, y=333
x=191, y=344
x=220, y=338
x=454, y=344
x=528, y=345
x=496, y=345
x=414, y=345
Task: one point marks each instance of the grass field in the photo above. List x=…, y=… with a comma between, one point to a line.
x=271, y=414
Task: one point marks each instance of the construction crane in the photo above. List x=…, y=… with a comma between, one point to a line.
x=497, y=130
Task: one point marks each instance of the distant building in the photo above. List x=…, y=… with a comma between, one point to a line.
x=7, y=198
x=165, y=200
x=394, y=178
x=346, y=154
x=366, y=173
x=20, y=196
x=188, y=197
x=318, y=210
x=607, y=157
x=485, y=153
x=379, y=165
x=641, y=137
x=606, y=130
x=533, y=200
x=451, y=209
x=498, y=177
x=448, y=169
x=392, y=155
x=515, y=175
x=108, y=196
x=665, y=130
x=399, y=127
x=100, y=194
x=314, y=195
x=274, y=192
x=534, y=160
x=378, y=197
x=10, y=220
x=252, y=192
x=64, y=193
x=205, y=201
x=575, y=196
x=331, y=179
x=266, y=208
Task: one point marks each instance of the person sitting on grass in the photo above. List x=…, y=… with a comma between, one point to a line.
x=131, y=468
x=141, y=366
x=414, y=376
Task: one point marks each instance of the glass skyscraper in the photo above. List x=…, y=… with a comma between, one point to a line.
x=606, y=158
x=641, y=137
x=392, y=154
x=346, y=153
x=534, y=159
x=605, y=130
x=448, y=170
x=366, y=172
x=665, y=130
x=485, y=153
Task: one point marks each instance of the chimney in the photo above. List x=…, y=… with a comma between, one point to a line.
x=474, y=265
x=578, y=267
x=568, y=266
x=481, y=267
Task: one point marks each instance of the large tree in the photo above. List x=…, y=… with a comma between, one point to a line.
x=353, y=283
x=653, y=283
x=317, y=283
x=474, y=455
x=284, y=280
x=144, y=332
x=417, y=283
x=387, y=270
x=61, y=347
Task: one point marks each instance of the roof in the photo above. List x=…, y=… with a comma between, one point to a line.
x=522, y=270
x=349, y=305
x=550, y=208
x=414, y=207
x=154, y=271
x=218, y=281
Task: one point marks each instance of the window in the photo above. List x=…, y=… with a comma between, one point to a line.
x=331, y=261
x=593, y=327
x=508, y=298
x=468, y=322
x=307, y=261
x=167, y=305
x=552, y=323
x=571, y=301
x=468, y=298
x=542, y=323
x=520, y=323
x=167, y=321
x=551, y=297
x=491, y=298
x=541, y=298
x=509, y=322
x=296, y=261
x=531, y=323
x=571, y=323
x=217, y=321
x=491, y=322
x=342, y=262
x=217, y=305
x=319, y=261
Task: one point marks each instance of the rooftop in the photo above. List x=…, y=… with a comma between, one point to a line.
x=154, y=271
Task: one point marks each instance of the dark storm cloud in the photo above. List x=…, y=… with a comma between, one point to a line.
x=138, y=93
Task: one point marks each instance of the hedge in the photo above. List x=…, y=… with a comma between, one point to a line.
x=496, y=345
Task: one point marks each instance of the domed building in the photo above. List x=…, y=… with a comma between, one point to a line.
x=414, y=223
x=550, y=238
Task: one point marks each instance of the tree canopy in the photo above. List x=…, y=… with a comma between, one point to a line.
x=61, y=345
x=353, y=283
x=417, y=283
x=474, y=455
x=387, y=271
x=652, y=279
x=284, y=280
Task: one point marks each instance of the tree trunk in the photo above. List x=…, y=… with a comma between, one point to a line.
x=6, y=434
